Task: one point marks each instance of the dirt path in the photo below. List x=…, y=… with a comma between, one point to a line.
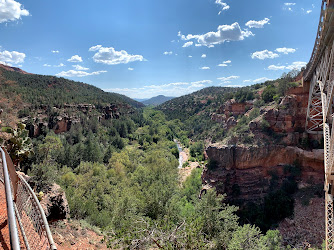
x=185, y=172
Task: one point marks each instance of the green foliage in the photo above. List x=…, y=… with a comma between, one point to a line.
x=53, y=91
x=43, y=175
x=196, y=149
x=268, y=93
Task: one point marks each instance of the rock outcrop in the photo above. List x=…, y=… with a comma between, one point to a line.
x=250, y=169
x=244, y=172
x=55, y=204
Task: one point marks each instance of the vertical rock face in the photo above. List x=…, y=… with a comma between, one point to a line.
x=245, y=172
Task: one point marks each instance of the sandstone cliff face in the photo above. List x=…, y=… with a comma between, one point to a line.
x=69, y=115
x=250, y=169
x=244, y=172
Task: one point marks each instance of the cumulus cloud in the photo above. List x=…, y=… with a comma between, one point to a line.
x=79, y=67
x=225, y=63
x=223, y=6
x=308, y=11
x=170, y=89
x=190, y=56
x=203, y=55
x=130, y=69
x=11, y=57
x=78, y=73
x=248, y=80
x=11, y=10
x=55, y=51
x=46, y=65
x=257, y=24
x=187, y=44
x=285, y=50
x=205, y=67
x=75, y=58
x=228, y=79
x=110, y=56
x=295, y=65
x=264, y=54
x=168, y=53
x=262, y=79
x=289, y=4
x=223, y=34
x=276, y=67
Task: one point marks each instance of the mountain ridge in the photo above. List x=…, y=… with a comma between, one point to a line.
x=157, y=100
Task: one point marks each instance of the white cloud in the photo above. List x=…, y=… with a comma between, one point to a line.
x=264, y=54
x=308, y=11
x=170, y=89
x=187, y=44
x=11, y=57
x=223, y=34
x=79, y=67
x=228, y=79
x=59, y=65
x=285, y=50
x=168, y=53
x=257, y=24
x=262, y=79
x=225, y=63
x=55, y=51
x=108, y=55
x=11, y=10
x=75, y=58
x=246, y=80
x=190, y=56
x=205, y=67
x=77, y=73
x=276, y=67
x=130, y=69
x=224, y=6
x=295, y=65
x=203, y=55
x=46, y=65
x=289, y=4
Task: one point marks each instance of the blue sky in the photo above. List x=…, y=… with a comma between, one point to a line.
x=145, y=48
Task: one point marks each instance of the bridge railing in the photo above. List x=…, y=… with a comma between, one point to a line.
x=34, y=229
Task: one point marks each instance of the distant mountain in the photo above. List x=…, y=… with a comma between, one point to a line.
x=157, y=100
x=38, y=90
x=140, y=100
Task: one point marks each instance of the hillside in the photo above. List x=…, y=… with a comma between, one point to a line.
x=157, y=100
x=39, y=90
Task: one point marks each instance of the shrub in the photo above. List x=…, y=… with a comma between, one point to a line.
x=268, y=93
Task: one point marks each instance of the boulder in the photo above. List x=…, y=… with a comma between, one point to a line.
x=55, y=204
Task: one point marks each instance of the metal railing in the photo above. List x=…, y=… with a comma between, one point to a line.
x=25, y=208
x=13, y=232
